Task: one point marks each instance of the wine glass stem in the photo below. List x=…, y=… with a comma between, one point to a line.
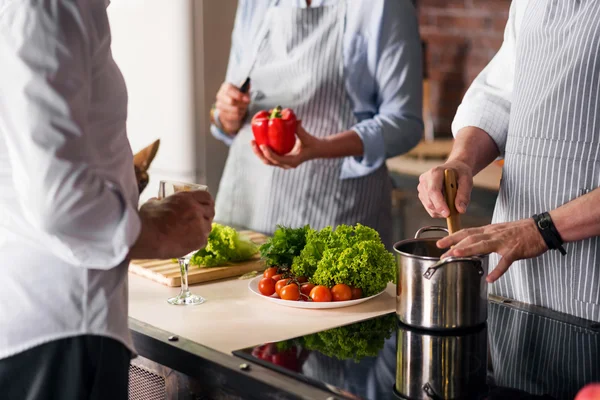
x=183, y=266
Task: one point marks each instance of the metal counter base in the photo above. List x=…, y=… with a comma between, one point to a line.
x=171, y=367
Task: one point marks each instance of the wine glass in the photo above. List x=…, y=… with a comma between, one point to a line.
x=185, y=297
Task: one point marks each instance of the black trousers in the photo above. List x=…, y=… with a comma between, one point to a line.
x=79, y=368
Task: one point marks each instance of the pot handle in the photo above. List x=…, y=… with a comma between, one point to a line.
x=430, y=229
x=431, y=270
x=430, y=392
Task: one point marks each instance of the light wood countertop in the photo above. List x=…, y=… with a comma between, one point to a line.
x=233, y=318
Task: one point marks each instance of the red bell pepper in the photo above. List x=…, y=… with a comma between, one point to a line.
x=276, y=129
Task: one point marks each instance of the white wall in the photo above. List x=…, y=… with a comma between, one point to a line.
x=173, y=55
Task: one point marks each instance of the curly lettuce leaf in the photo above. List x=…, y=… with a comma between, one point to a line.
x=317, y=242
x=225, y=245
x=367, y=265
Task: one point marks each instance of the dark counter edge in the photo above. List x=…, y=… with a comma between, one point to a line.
x=216, y=369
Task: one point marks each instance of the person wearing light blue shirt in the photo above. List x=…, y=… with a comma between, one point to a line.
x=351, y=71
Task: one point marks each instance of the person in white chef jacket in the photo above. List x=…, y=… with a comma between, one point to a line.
x=351, y=71
x=536, y=105
x=69, y=220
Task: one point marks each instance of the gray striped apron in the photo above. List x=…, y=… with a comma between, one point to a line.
x=300, y=65
x=552, y=150
x=541, y=355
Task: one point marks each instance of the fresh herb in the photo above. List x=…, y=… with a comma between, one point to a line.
x=225, y=245
x=285, y=244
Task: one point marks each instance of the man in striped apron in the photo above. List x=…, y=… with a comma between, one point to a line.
x=536, y=104
x=300, y=64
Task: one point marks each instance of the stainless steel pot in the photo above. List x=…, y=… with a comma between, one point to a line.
x=435, y=365
x=439, y=294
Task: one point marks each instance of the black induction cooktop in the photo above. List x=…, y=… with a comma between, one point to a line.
x=518, y=354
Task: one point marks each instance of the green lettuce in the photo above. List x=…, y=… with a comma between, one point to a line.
x=225, y=245
x=353, y=255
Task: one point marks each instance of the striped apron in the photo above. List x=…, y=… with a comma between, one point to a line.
x=300, y=65
x=541, y=355
x=552, y=150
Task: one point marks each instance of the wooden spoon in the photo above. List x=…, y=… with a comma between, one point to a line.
x=451, y=187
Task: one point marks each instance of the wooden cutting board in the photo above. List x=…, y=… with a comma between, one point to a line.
x=167, y=272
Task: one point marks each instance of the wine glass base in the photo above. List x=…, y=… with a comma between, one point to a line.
x=186, y=300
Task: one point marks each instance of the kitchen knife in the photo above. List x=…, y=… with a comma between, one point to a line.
x=245, y=86
x=451, y=187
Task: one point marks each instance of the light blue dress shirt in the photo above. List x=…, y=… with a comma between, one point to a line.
x=383, y=71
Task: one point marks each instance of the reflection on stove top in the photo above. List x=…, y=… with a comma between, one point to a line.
x=383, y=359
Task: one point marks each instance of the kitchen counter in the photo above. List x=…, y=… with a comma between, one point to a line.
x=532, y=351
x=231, y=309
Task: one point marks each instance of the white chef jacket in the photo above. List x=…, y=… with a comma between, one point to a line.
x=68, y=194
x=486, y=104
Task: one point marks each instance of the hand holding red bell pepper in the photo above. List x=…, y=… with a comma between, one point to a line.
x=276, y=129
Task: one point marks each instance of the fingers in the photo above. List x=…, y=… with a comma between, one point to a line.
x=427, y=202
x=463, y=195
x=292, y=160
x=473, y=246
x=273, y=158
x=301, y=132
x=457, y=237
x=229, y=94
x=430, y=193
x=231, y=113
x=506, y=261
x=434, y=191
x=259, y=153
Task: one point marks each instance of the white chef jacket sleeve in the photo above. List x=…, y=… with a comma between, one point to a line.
x=486, y=105
x=45, y=81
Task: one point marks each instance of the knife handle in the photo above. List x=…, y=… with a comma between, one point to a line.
x=451, y=187
x=245, y=86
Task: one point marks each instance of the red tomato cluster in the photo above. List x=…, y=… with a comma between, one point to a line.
x=299, y=289
x=288, y=359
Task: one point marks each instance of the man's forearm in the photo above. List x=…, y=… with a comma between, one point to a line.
x=474, y=147
x=578, y=219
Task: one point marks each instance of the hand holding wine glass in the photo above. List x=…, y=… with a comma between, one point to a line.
x=174, y=226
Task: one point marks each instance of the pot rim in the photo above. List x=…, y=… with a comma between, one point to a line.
x=427, y=258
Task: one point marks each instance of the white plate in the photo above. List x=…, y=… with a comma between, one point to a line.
x=253, y=286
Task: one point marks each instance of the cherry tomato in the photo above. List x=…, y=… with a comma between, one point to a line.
x=320, y=294
x=341, y=292
x=302, y=279
x=277, y=277
x=356, y=293
x=266, y=286
x=269, y=272
x=305, y=289
x=290, y=292
x=280, y=284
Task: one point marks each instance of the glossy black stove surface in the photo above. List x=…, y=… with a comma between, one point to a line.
x=518, y=355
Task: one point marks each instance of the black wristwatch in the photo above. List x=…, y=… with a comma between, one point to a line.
x=549, y=233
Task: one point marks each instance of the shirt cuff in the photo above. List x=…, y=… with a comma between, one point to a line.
x=491, y=118
x=373, y=156
x=217, y=130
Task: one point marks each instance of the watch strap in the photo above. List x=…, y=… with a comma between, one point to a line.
x=549, y=232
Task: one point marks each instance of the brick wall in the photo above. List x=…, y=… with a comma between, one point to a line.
x=461, y=37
